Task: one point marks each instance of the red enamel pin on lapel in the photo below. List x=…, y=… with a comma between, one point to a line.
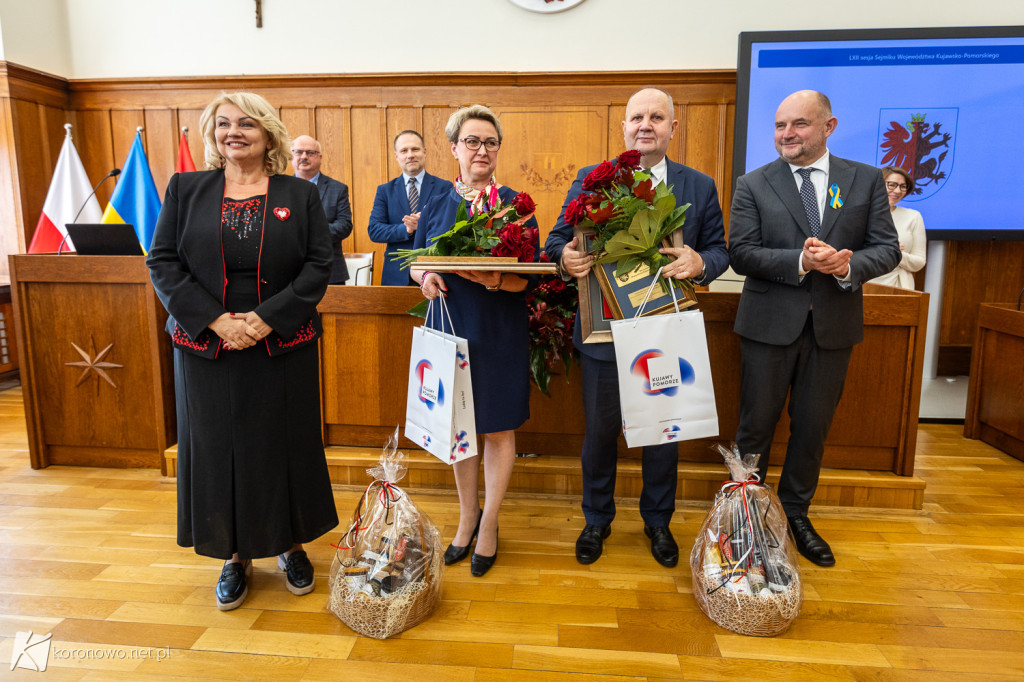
x=282, y=213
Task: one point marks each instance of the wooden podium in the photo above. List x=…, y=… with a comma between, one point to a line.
x=995, y=396
x=96, y=365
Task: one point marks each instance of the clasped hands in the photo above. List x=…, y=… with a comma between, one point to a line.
x=687, y=264
x=817, y=255
x=411, y=221
x=240, y=330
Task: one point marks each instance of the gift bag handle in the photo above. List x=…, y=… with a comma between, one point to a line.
x=442, y=314
x=650, y=290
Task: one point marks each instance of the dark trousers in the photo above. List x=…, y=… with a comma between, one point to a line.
x=600, y=387
x=813, y=377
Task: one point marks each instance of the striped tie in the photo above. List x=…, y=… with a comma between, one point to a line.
x=414, y=196
x=810, y=199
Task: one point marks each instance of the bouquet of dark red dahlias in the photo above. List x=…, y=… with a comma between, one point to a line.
x=498, y=232
x=630, y=216
x=552, y=306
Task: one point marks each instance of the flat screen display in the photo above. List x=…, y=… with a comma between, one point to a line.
x=945, y=104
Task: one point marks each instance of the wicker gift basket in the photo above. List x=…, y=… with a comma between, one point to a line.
x=386, y=574
x=743, y=562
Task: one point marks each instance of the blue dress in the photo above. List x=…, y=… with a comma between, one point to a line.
x=495, y=323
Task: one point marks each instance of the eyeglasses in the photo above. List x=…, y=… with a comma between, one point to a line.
x=896, y=185
x=473, y=144
x=305, y=152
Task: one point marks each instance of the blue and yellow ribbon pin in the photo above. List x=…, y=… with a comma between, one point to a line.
x=836, y=201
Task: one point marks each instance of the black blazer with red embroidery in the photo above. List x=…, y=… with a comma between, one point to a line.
x=186, y=262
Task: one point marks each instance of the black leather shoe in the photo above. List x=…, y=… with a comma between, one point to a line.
x=479, y=565
x=454, y=554
x=809, y=543
x=298, y=571
x=663, y=546
x=590, y=543
x=232, y=587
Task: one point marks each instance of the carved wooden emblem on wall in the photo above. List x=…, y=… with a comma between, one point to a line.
x=97, y=365
x=546, y=6
x=561, y=179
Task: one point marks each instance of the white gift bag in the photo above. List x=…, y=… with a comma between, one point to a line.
x=665, y=388
x=439, y=414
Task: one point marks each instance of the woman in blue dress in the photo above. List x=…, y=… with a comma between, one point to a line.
x=489, y=310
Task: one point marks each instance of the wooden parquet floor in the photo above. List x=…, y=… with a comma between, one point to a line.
x=89, y=555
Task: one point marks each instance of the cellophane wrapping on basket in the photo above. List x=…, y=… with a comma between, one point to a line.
x=386, y=574
x=743, y=562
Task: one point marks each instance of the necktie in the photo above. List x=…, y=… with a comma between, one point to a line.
x=414, y=196
x=810, y=199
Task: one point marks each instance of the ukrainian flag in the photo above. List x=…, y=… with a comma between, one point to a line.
x=135, y=199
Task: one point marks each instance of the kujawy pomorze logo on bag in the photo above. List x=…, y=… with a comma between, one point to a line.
x=31, y=652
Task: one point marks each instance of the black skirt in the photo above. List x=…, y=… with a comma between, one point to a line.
x=252, y=475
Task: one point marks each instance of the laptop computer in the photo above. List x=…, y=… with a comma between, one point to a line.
x=105, y=239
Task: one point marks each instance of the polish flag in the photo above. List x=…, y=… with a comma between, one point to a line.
x=184, y=164
x=68, y=191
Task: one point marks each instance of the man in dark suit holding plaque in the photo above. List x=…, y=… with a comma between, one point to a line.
x=649, y=127
x=396, y=207
x=306, y=159
x=807, y=230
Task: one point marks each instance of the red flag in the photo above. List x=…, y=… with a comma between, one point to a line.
x=184, y=164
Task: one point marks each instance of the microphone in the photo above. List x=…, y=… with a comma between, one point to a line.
x=112, y=174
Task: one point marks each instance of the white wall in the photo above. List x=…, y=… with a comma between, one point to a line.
x=124, y=38
x=35, y=33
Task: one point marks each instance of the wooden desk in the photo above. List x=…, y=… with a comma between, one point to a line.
x=365, y=360
x=95, y=361
x=995, y=395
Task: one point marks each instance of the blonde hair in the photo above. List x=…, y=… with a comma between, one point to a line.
x=477, y=111
x=278, y=143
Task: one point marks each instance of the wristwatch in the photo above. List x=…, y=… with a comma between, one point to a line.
x=496, y=287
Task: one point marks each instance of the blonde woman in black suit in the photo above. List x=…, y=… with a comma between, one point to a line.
x=240, y=259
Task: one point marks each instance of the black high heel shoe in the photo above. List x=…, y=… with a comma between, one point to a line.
x=454, y=554
x=479, y=564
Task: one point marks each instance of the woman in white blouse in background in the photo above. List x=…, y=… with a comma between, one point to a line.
x=909, y=228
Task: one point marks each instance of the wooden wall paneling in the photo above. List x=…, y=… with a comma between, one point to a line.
x=92, y=137
x=298, y=121
x=161, y=141
x=615, y=143
x=725, y=184
x=332, y=128
x=977, y=272
x=397, y=119
x=702, y=138
x=12, y=240
x=369, y=169
x=543, y=150
x=440, y=161
x=33, y=170
x=53, y=120
x=123, y=126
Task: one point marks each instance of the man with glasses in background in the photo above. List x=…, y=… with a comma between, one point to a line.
x=306, y=158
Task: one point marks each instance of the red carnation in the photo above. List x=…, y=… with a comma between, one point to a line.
x=523, y=204
x=576, y=210
x=599, y=178
x=630, y=159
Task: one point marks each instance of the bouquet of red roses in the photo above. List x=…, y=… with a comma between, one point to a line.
x=631, y=217
x=498, y=231
x=552, y=306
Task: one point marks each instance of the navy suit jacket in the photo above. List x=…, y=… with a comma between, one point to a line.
x=703, y=231
x=386, y=227
x=334, y=197
x=186, y=261
x=767, y=229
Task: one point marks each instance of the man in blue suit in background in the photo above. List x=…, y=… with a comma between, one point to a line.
x=648, y=128
x=396, y=207
x=306, y=159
